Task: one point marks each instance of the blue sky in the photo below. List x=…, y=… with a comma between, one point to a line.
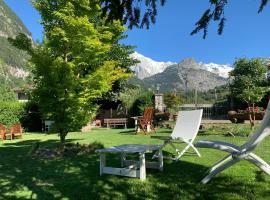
x=246, y=32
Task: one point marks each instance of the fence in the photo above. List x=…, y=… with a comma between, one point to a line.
x=209, y=110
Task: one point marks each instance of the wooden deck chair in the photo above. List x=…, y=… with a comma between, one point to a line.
x=237, y=153
x=185, y=131
x=147, y=119
x=16, y=130
x=2, y=132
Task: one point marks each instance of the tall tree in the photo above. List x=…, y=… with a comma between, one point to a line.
x=77, y=63
x=249, y=83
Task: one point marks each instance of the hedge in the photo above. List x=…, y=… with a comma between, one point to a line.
x=11, y=112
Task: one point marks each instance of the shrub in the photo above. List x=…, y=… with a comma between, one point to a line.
x=11, y=112
x=146, y=99
x=31, y=120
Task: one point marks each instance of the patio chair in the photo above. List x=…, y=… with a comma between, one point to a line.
x=16, y=130
x=185, y=131
x=147, y=120
x=2, y=132
x=237, y=153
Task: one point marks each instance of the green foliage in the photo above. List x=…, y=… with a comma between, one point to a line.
x=249, y=83
x=22, y=42
x=132, y=13
x=129, y=96
x=134, y=99
x=172, y=101
x=6, y=93
x=78, y=62
x=31, y=119
x=145, y=99
x=11, y=112
x=249, y=80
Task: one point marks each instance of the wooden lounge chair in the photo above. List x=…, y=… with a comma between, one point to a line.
x=185, y=131
x=147, y=120
x=16, y=130
x=237, y=153
x=2, y=132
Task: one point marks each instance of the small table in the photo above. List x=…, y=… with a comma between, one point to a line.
x=131, y=168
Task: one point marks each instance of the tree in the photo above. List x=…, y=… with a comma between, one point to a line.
x=129, y=96
x=7, y=95
x=172, y=101
x=134, y=14
x=77, y=63
x=249, y=83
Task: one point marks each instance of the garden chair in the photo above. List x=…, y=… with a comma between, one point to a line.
x=237, y=153
x=147, y=120
x=2, y=132
x=185, y=131
x=16, y=130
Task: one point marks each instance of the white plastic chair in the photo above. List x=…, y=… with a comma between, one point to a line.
x=185, y=130
x=238, y=153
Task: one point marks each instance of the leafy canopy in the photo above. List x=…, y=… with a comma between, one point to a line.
x=249, y=80
x=141, y=13
x=172, y=101
x=79, y=61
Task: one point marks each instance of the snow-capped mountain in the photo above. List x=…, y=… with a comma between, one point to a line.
x=148, y=67
x=219, y=69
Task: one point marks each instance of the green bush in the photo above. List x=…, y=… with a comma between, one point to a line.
x=146, y=99
x=11, y=112
x=32, y=119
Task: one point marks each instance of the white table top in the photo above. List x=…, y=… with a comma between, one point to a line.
x=130, y=148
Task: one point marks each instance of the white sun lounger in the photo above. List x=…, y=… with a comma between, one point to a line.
x=185, y=130
x=238, y=153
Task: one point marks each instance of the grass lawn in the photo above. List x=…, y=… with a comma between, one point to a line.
x=77, y=177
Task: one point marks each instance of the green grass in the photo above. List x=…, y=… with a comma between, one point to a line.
x=77, y=177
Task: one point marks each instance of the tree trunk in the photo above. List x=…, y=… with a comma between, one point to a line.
x=251, y=116
x=254, y=117
x=62, y=135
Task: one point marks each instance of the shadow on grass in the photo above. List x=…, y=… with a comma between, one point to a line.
x=23, y=177
x=128, y=132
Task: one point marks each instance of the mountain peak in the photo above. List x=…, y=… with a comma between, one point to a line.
x=189, y=61
x=147, y=66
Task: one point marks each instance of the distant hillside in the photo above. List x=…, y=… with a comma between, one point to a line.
x=186, y=75
x=13, y=68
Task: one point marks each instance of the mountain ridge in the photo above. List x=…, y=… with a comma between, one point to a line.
x=149, y=67
x=13, y=62
x=184, y=76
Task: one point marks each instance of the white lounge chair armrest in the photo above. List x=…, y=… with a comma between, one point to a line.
x=223, y=146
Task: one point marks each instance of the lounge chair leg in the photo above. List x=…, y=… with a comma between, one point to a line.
x=219, y=163
x=260, y=163
x=181, y=153
x=160, y=159
x=123, y=158
x=157, y=152
x=142, y=167
x=195, y=149
x=102, y=163
x=219, y=169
